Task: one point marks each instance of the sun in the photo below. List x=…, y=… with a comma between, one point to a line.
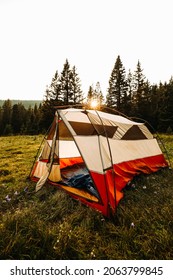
x=94, y=103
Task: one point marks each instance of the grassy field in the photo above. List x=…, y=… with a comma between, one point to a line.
x=51, y=225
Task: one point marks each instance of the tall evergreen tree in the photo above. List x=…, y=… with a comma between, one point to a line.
x=77, y=94
x=95, y=97
x=36, y=120
x=30, y=120
x=54, y=93
x=154, y=105
x=165, y=106
x=6, y=117
x=0, y=119
x=99, y=94
x=53, y=97
x=18, y=119
x=117, y=86
x=127, y=103
x=47, y=111
x=130, y=84
x=66, y=83
x=139, y=90
x=90, y=94
x=65, y=89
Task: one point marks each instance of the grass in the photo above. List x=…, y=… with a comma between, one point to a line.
x=51, y=225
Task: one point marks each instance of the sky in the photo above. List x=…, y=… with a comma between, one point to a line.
x=37, y=36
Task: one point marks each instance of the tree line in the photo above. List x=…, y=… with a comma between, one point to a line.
x=128, y=93
x=133, y=95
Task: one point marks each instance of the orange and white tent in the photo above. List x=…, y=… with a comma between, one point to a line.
x=92, y=155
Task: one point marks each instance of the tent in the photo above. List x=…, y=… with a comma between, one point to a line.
x=92, y=155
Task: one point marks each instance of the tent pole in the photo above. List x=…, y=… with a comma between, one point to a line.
x=36, y=156
x=101, y=159
x=44, y=178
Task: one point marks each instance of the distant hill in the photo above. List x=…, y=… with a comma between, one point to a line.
x=26, y=103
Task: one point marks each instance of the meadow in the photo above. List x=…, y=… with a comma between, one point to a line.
x=51, y=225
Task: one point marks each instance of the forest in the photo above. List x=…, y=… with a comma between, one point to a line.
x=129, y=93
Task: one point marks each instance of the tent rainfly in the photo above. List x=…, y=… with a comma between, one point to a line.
x=92, y=155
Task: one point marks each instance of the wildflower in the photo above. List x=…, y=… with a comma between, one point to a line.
x=8, y=198
x=25, y=189
x=92, y=254
x=132, y=224
x=133, y=186
x=144, y=187
x=16, y=193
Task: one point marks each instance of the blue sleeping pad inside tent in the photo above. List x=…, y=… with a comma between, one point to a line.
x=83, y=181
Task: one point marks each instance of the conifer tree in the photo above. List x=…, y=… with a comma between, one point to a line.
x=54, y=93
x=77, y=96
x=154, y=103
x=127, y=103
x=47, y=111
x=36, y=120
x=0, y=119
x=117, y=85
x=6, y=117
x=53, y=97
x=19, y=116
x=99, y=94
x=65, y=89
x=130, y=84
x=30, y=120
x=165, y=106
x=95, y=97
x=66, y=83
x=90, y=94
x=139, y=90
x=169, y=108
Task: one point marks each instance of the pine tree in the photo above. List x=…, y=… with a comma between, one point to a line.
x=55, y=93
x=165, y=106
x=117, y=86
x=18, y=119
x=77, y=96
x=0, y=119
x=36, y=122
x=99, y=94
x=170, y=104
x=6, y=117
x=127, y=104
x=95, y=97
x=139, y=90
x=53, y=97
x=154, y=105
x=90, y=94
x=66, y=84
x=65, y=89
x=47, y=111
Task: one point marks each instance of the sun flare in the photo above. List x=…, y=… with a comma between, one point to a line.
x=94, y=104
